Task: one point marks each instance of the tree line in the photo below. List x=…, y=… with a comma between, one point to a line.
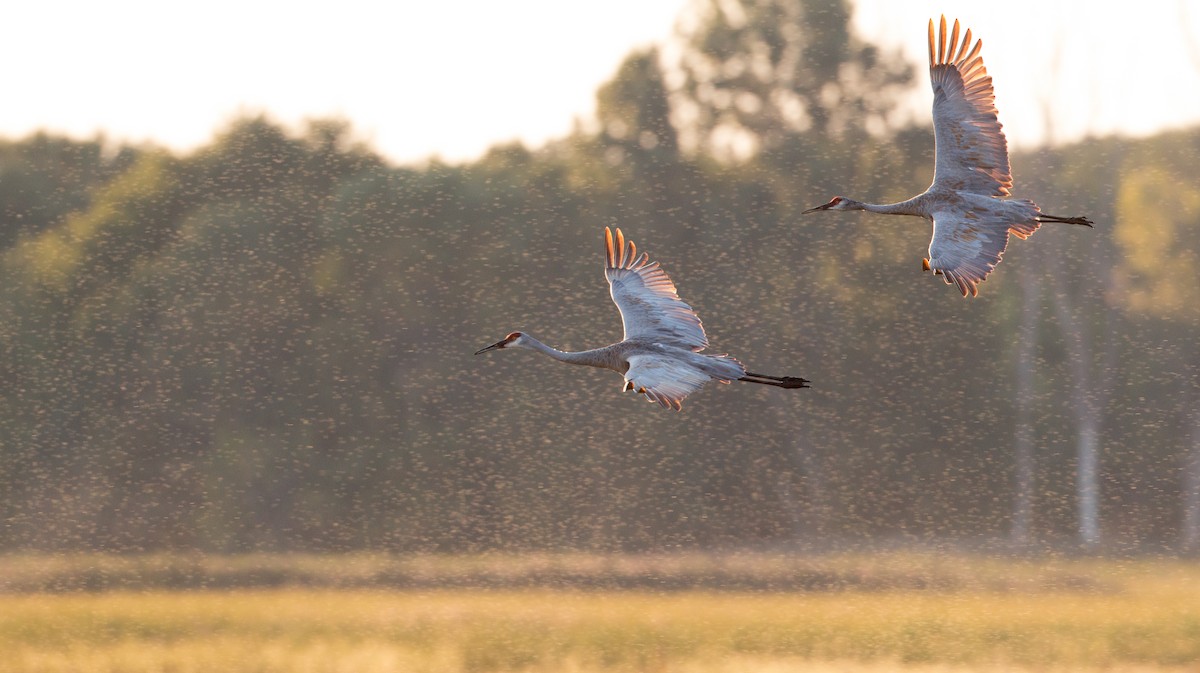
x=265, y=344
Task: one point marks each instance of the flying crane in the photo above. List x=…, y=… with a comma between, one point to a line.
x=971, y=220
x=660, y=354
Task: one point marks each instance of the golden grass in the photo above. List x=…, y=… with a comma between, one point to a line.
x=1144, y=619
x=769, y=571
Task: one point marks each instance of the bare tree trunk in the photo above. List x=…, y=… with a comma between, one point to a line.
x=1190, y=538
x=1027, y=336
x=1087, y=479
x=1089, y=386
x=1087, y=403
x=1190, y=529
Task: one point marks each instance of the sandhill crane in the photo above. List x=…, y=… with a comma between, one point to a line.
x=660, y=354
x=971, y=222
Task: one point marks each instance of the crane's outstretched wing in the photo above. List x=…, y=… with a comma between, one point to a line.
x=965, y=249
x=646, y=297
x=663, y=380
x=972, y=154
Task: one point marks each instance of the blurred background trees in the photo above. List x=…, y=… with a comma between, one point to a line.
x=266, y=344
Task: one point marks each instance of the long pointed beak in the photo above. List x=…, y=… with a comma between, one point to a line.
x=813, y=210
x=498, y=344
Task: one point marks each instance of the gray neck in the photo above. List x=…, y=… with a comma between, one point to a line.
x=591, y=358
x=908, y=207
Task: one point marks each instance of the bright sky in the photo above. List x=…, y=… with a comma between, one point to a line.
x=452, y=78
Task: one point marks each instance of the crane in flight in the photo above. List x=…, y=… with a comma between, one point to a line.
x=660, y=355
x=971, y=220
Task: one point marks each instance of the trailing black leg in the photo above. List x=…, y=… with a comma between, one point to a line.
x=1065, y=220
x=778, y=381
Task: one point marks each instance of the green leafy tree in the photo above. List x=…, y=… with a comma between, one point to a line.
x=759, y=71
x=1157, y=217
x=44, y=178
x=1156, y=211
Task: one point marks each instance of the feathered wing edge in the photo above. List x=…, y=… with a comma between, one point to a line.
x=970, y=267
x=973, y=267
x=955, y=65
x=966, y=280
x=667, y=383
x=654, y=309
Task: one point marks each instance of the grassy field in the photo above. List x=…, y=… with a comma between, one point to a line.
x=1062, y=616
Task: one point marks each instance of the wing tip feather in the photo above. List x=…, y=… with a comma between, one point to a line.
x=942, y=40
x=962, y=48
x=950, y=51
x=931, y=62
x=950, y=56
